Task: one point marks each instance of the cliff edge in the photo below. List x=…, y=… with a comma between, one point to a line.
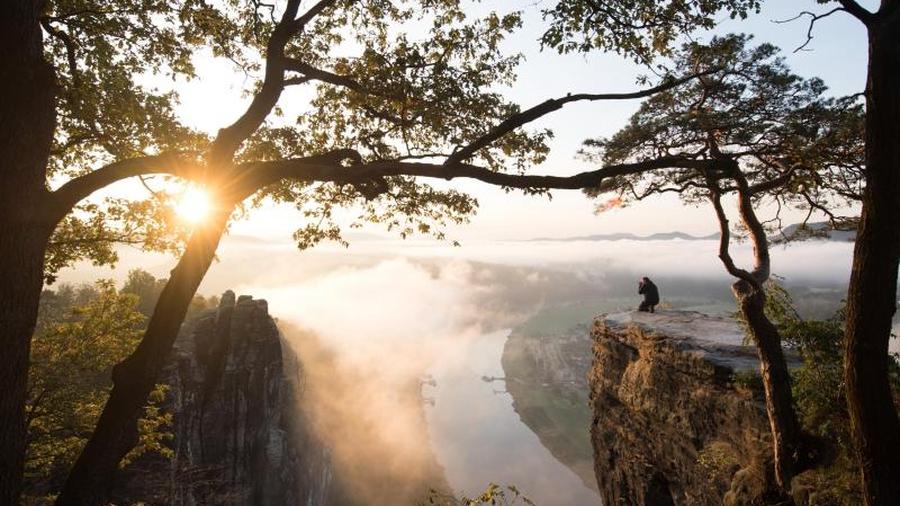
x=672, y=423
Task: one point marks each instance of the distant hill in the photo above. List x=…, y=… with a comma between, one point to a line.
x=797, y=231
x=626, y=236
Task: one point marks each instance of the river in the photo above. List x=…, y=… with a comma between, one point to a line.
x=478, y=437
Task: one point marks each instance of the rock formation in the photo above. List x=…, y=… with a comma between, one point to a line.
x=672, y=426
x=238, y=433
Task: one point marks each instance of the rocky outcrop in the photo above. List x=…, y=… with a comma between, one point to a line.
x=677, y=420
x=238, y=434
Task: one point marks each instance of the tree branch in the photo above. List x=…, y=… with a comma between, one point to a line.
x=260, y=174
x=311, y=72
x=230, y=138
x=181, y=164
x=69, y=44
x=857, y=11
x=812, y=23
x=295, y=81
x=300, y=23
x=771, y=184
x=837, y=222
x=761, y=258
x=527, y=116
x=715, y=196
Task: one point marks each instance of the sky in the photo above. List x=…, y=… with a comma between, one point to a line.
x=837, y=54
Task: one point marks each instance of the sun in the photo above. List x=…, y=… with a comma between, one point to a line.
x=193, y=206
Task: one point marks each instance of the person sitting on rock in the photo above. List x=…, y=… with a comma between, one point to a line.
x=650, y=293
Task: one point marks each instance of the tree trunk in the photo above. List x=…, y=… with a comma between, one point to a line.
x=21, y=271
x=872, y=297
x=776, y=381
x=27, y=123
x=116, y=433
x=751, y=297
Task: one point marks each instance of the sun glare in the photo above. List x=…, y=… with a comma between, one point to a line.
x=193, y=206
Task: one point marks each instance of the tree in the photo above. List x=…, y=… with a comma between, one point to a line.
x=821, y=403
x=69, y=103
x=642, y=30
x=493, y=494
x=375, y=118
x=68, y=72
x=872, y=296
x=145, y=287
x=821, y=398
x=75, y=347
x=646, y=30
x=767, y=134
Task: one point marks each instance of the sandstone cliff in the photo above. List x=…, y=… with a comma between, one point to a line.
x=239, y=437
x=671, y=425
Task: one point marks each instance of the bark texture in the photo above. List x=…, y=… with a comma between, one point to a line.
x=872, y=297
x=21, y=272
x=776, y=382
x=27, y=119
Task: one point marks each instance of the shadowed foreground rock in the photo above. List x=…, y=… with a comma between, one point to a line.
x=671, y=426
x=238, y=434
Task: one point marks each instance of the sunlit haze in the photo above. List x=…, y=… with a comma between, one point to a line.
x=193, y=205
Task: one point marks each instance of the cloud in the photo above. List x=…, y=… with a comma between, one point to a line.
x=826, y=261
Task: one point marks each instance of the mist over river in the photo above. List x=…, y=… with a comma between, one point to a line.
x=440, y=327
x=477, y=435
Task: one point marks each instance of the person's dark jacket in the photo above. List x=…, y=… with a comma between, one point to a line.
x=649, y=291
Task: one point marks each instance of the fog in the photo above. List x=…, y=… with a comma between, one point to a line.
x=249, y=261
x=824, y=262
x=394, y=307
x=369, y=322
x=370, y=419
x=366, y=336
